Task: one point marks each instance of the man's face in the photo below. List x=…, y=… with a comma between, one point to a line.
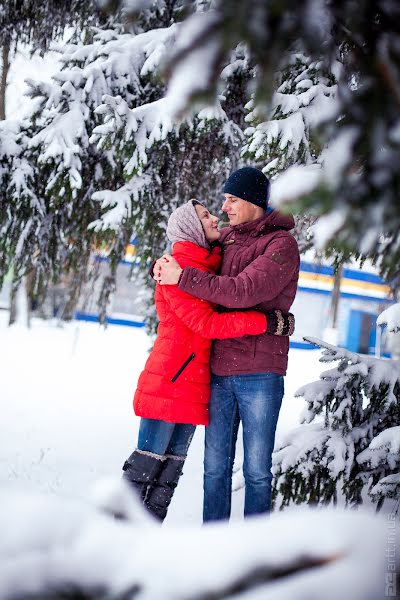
x=240, y=211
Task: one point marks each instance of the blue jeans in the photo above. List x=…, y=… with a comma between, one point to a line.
x=255, y=399
x=161, y=437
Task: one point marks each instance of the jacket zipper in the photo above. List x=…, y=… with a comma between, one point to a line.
x=183, y=367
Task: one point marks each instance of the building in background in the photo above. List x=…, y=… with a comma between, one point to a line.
x=363, y=296
x=128, y=303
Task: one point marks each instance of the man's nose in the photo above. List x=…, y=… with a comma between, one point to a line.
x=225, y=206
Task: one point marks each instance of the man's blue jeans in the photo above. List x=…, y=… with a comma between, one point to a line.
x=255, y=399
x=161, y=437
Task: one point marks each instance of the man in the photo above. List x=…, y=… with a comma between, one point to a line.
x=260, y=270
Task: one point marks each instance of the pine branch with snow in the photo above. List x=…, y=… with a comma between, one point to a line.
x=391, y=318
x=305, y=96
x=285, y=133
x=285, y=556
x=359, y=178
x=104, y=156
x=344, y=450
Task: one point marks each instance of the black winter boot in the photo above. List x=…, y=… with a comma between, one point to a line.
x=160, y=496
x=141, y=470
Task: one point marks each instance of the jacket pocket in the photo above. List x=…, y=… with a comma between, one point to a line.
x=183, y=367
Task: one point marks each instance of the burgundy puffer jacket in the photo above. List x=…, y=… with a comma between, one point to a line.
x=260, y=269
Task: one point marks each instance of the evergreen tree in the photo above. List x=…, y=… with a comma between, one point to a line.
x=359, y=182
x=305, y=95
x=38, y=23
x=66, y=189
x=285, y=133
x=348, y=447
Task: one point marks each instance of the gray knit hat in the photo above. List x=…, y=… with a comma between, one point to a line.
x=185, y=226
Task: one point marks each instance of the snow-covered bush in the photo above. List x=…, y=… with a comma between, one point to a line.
x=348, y=447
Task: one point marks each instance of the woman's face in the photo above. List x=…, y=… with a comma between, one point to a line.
x=209, y=223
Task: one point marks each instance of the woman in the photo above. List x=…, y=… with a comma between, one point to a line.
x=173, y=390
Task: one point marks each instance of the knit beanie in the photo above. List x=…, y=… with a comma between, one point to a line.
x=184, y=225
x=249, y=184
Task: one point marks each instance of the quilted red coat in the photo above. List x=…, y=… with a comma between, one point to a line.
x=175, y=383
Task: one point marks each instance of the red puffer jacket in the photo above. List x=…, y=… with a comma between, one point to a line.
x=175, y=383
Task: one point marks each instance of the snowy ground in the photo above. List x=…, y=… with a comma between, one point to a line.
x=66, y=403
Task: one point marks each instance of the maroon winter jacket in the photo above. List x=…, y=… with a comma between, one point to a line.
x=260, y=270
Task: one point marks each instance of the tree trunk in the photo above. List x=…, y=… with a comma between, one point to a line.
x=3, y=81
x=331, y=332
x=20, y=302
x=5, y=66
x=334, y=310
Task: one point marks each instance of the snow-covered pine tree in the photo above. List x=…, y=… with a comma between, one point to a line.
x=134, y=170
x=360, y=180
x=285, y=132
x=383, y=454
x=51, y=170
x=166, y=163
x=348, y=447
x=39, y=22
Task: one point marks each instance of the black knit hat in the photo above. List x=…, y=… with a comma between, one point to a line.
x=249, y=184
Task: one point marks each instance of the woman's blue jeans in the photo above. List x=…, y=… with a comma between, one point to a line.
x=255, y=399
x=161, y=437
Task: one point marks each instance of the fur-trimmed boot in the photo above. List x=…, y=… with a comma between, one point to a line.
x=141, y=471
x=159, y=497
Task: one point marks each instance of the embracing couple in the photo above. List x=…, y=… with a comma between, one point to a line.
x=222, y=299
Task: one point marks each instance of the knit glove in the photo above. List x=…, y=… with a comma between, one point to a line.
x=279, y=322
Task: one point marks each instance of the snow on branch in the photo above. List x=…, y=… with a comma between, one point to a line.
x=379, y=372
x=330, y=554
x=296, y=181
x=385, y=445
x=304, y=445
x=349, y=443
x=118, y=204
x=116, y=116
x=196, y=58
x=150, y=123
x=391, y=318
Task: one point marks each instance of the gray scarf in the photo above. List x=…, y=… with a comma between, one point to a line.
x=185, y=226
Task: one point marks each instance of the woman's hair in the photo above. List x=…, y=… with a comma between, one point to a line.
x=196, y=202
